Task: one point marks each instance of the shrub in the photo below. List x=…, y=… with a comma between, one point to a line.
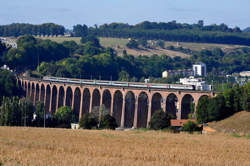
x=88, y=121
x=160, y=120
x=190, y=127
x=108, y=122
x=64, y=116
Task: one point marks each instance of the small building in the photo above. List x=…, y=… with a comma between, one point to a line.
x=200, y=69
x=183, y=72
x=197, y=82
x=245, y=74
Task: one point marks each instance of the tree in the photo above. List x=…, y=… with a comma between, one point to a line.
x=27, y=111
x=108, y=122
x=159, y=120
x=124, y=76
x=8, y=85
x=190, y=127
x=40, y=113
x=64, y=116
x=202, y=112
x=132, y=44
x=88, y=121
x=80, y=30
x=92, y=39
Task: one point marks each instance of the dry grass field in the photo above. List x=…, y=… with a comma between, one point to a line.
x=238, y=123
x=61, y=147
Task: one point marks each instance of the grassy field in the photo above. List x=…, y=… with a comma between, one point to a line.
x=238, y=123
x=61, y=147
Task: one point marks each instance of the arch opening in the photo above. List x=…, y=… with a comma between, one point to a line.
x=37, y=94
x=156, y=103
x=186, y=104
x=42, y=94
x=33, y=93
x=142, y=110
x=47, y=100
x=106, y=99
x=28, y=92
x=171, y=104
x=76, y=106
x=117, y=106
x=61, y=97
x=86, y=101
x=129, y=109
x=69, y=96
x=54, y=98
x=96, y=99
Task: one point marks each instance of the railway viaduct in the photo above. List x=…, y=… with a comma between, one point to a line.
x=131, y=107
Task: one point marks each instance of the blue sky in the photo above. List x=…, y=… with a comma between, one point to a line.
x=90, y=12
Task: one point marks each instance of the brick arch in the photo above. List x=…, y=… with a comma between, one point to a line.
x=37, y=91
x=106, y=99
x=77, y=103
x=96, y=98
x=143, y=104
x=69, y=96
x=42, y=93
x=130, y=104
x=186, y=101
x=33, y=92
x=61, y=96
x=26, y=88
x=86, y=96
x=172, y=104
x=117, y=106
x=47, y=98
x=156, y=102
x=54, y=98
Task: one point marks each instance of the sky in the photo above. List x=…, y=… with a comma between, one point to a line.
x=91, y=12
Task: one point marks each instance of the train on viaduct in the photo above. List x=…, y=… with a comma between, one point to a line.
x=131, y=104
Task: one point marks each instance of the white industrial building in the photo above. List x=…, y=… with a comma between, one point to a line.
x=197, y=82
x=200, y=69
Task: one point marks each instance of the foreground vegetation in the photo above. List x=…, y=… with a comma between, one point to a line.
x=59, y=147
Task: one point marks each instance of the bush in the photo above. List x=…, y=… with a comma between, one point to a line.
x=108, y=122
x=88, y=121
x=190, y=127
x=64, y=116
x=160, y=120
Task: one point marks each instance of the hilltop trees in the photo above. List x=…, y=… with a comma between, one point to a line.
x=31, y=51
x=24, y=29
x=8, y=85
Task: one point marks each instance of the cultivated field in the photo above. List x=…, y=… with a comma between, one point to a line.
x=60, y=147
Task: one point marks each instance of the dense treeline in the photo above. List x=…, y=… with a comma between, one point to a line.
x=227, y=103
x=8, y=85
x=17, y=29
x=31, y=51
x=170, y=31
